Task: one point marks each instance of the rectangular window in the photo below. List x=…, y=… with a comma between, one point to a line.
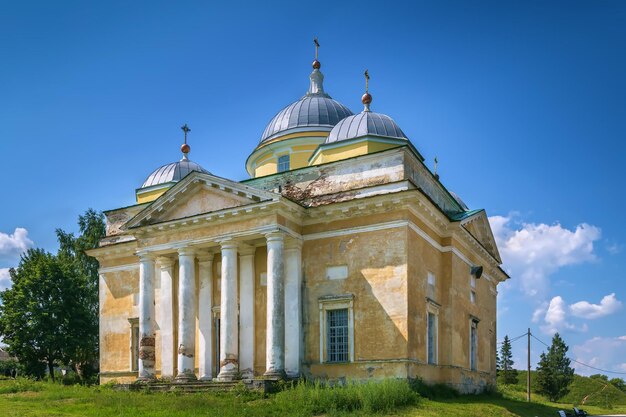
x=283, y=163
x=431, y=285
x=134, y=344
x=337, y=335
x=473, y=297
x=473, y=344
x=432, y=338
x=336, y=328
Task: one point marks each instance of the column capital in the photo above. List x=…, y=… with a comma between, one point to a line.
x=186, y=251
x=205, y=258
x=228, y=244
x=145, y=256
x=165, y=262
x=246, y=250
x=275, y=236
x=293, y=243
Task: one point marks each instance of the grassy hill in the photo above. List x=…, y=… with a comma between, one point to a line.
x=583, y=390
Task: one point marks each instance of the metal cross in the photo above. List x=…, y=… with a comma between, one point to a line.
x=185, y=129
x=367, y=81
x=317, y=46
x=436, y=162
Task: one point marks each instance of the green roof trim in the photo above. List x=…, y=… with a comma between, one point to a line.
x=457, y=217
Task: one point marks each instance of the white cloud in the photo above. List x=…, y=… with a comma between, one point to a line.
x=5, y=279
x=584, y=309
x=555, y=317
x=556, y=314
x=601, y=352
x=13, y=245
x=532, y=252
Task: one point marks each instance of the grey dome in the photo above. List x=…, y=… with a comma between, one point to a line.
x=366, y=123
x=311, y=111
x=173, y=172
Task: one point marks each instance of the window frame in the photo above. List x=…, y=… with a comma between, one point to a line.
x=283, y=162
x=335, y=303
x=473, y=344
x=134, y=343
x=432, y=309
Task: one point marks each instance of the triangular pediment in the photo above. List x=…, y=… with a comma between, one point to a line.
x=199, y=193
x=478, y=226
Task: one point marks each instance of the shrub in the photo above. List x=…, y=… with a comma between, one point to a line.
x=318, y=398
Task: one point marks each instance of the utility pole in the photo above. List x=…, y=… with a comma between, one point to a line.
x=528, y=373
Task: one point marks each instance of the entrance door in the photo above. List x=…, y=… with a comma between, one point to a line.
x=216, y=326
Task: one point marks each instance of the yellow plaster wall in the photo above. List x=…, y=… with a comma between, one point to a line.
x=452, y=292
x=118, y=303
x=377, y=279
x=350, y=150
x=148, y=196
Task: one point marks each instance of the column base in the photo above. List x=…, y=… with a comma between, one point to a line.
x=185, y=377
x=205, y=379
x=150, y=378
x=228, y=375
x=275, y=374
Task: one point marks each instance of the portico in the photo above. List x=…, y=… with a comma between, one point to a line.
x=236, y=301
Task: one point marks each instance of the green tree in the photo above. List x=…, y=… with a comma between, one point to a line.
x=509, y=375
x=602, y=378
x=554, y=373
x=84, y=357
x=40, y=312
x=618, y=383
x=49, y=316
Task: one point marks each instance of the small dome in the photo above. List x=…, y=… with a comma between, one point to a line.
x=173, y=172
x=311, y=111
x=366, y=123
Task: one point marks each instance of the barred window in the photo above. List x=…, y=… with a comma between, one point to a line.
x=473, y=344
x=338, y=340
x=432, y=338
x=283, y=163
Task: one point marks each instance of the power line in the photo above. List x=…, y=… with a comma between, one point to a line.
x=580, y=363
x=513, y=339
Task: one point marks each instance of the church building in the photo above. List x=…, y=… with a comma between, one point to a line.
x=342, y=256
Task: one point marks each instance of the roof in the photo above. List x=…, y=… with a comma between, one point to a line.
x=312, y=110
x=315, y=111
x=366, y=123
x=172, y=172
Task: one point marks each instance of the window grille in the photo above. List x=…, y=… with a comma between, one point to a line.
x=283, y=163
x=432, y=338
x=473, y=345
x=337, y=335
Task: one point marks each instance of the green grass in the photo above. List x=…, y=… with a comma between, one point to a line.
x=26, y=398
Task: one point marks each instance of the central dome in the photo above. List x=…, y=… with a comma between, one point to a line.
x=311, y=112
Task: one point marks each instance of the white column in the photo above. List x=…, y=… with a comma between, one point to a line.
x=229, y=324
x=166, y=317
x=186, y=315
x=275, y=334
x=293, y=308
x=246, y=313
x=146, y=317
x=205, y=317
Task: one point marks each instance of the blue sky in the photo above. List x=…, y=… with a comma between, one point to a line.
x=522, y=102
